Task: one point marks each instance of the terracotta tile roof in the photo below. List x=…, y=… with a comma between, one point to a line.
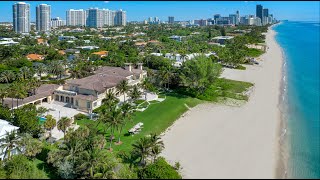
x=141, y=43
x=40, y=41
x=62, y=52
x=101, y=53
x=35, y=57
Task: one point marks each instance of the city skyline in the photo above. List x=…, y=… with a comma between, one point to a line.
x=179, y=10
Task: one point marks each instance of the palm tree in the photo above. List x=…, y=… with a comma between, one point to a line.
x=63, y=124
x=40, y=69
x=166, y=74
x=145, y=85
x=89, y=160
x=110, y=98
x=31, y=146
x=9, y=142
x=56, y=68
x=127, y=111
x=134, y=93
x=25, y=72
x=156, y=145
x=7, y=76
x=123, y=88
x=142, y=149
x=99, y=142
x=114, y=120
x=34, y=84
x=50, y=123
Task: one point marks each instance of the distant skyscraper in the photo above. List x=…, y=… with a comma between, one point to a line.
x=76, y=17
x=95, y=18
x=21, y=17
x=57, y=22
x=156, y=20
x=171, y=19
x=216, y=16
x=150, y=19
x=201, y=22
x=108, y=17
x=259, y=11
x=233, y=18
x=43, y=16
x=265, y=12
x=238, y=18
x=120, y=18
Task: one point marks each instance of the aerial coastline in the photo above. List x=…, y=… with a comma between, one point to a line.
x=233, y=139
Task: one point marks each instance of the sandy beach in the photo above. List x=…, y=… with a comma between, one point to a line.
x=220, y=141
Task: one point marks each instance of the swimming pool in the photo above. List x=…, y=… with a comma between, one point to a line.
x=42, y=119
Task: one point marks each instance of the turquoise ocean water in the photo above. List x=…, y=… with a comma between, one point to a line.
x=300, y=99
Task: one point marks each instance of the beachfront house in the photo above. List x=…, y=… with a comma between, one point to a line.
x=86, y=94
x=83, y=94
x=6, y=127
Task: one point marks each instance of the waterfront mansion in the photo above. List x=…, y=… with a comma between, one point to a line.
x=85, y=94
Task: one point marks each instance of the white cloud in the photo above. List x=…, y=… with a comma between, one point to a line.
x=106, y=1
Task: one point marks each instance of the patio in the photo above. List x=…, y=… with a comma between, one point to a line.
x=58, y=110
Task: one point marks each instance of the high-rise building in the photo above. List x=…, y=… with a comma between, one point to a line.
x=150, y=20
x=265, y=13
x=171, y=19
x=242, y=20
x=76, y=17
x=259, y=11
x=43, y=16
x=238, y=18
x=215, y=17
x=233, y=18
x=57, y=22
x=21, y=17
x=95, y=17
x=120, y=18
x=201, y=22
x=257, y=21
x=108, y=17
x=156, y=20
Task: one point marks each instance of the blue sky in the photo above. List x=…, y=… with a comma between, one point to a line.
x=181, y=10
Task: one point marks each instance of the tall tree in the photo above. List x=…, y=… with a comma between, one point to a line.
x=134, y=93
x=123, y=88
x=7, y=76
x=9, y=143
x=63, y=124
x=142, y=149
x=114, y=121
x=31, y=146
x=50, y=123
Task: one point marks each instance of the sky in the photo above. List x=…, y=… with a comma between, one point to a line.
x=181, y=10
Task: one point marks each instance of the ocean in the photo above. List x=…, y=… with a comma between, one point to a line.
x=300, y=149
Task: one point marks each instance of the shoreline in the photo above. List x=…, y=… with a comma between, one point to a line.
x=275, y=164
x=282, y=162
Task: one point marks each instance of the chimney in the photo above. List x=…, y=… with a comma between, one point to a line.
x=128, y=66
x=140, y=66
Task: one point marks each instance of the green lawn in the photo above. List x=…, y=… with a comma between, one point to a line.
x=3, y=85
x=157, y=118
x=45, y=168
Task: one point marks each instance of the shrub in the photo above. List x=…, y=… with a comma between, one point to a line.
x=80, y=116
x=160, y=169
x=19, y=167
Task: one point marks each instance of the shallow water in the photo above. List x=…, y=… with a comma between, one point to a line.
x=300, y=98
